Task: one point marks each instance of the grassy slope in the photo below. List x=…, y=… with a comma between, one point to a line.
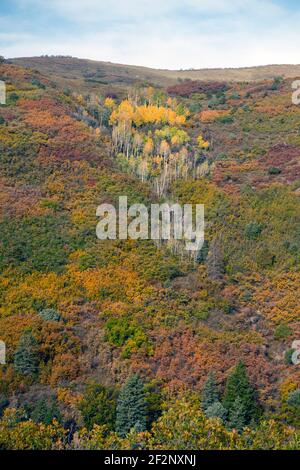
x=72, y=70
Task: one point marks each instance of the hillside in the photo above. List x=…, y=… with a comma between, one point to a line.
x=78, y=72
x=85, y=321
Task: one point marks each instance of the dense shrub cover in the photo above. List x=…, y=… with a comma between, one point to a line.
x=203, y=343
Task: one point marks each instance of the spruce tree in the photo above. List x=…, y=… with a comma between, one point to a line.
x=238, y=415
x=131, y=407
x=26, y=358
x=210, y=393
x=238, y=386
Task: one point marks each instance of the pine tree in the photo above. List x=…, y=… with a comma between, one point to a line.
x=210, y=393
x=238, y=386
x=26, y=358
x=131, y=407
x=238, y=415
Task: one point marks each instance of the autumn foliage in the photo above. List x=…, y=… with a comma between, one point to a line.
x=97, y=312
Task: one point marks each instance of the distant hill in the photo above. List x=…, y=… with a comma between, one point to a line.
x=82, y=72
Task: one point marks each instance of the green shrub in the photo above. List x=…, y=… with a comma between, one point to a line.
x=253, y=230
x=288, y=356
x=216, y=410
x=282, y=331
x=50, y=314
x=99, y=406
x=13, y=97
x=118, y=331
x=37, y=83
x=225, y=119
x=46, y=411
x=273, y=170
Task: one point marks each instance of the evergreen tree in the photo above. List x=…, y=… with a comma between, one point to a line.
x=26, y=358
x=238, y=386
x=216, y=410
x=45, y=412
x=131, y=407
x=202, y=254
x=294, y=398
x=3, y=403
x=238, y=415
x=210, y=393
x=139, y=427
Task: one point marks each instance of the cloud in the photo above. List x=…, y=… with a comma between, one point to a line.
x=169, y=34
x=130, y=10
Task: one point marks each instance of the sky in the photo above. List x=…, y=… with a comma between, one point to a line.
x=173, y=34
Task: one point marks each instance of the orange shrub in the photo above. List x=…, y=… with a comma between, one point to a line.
x=210, y=115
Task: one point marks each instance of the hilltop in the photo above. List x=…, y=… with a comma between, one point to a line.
x=78, y=72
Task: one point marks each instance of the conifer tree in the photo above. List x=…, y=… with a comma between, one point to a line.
x=4, y=402
x=210, y=393
x=26, y=357
x=45, y=412
x=238, y=415
x=131, y=406
x=238, y=386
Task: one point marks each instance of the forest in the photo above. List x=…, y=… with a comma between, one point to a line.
x=134, y=344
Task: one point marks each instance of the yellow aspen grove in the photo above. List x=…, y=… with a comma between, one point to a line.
x=134, y=142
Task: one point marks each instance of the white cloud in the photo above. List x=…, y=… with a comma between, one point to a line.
x=210, y=33
x=127, y=10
